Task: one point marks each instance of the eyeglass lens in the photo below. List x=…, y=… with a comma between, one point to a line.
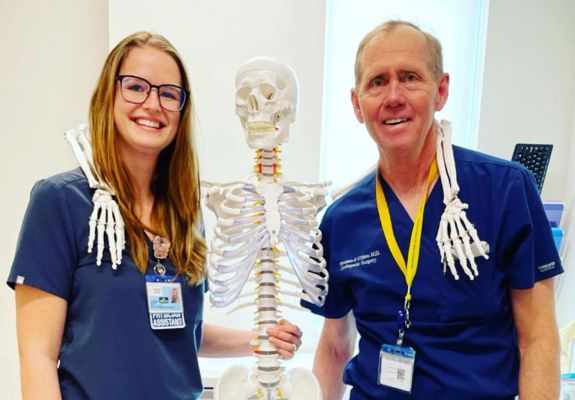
x=136, y=90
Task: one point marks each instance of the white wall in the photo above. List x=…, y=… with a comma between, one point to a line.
x=529, y=97
x=215, y=38
x=48, y=74
x=529, y=82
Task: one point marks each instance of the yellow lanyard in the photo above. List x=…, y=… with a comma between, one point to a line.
x=408, y=269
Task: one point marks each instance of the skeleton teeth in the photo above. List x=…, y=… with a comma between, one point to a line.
x=148, y=123
x=260, y=127
x=394, y=121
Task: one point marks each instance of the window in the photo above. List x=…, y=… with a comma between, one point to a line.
x=347, y=151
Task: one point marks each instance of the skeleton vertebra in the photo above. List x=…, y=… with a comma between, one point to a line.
x=259, y=221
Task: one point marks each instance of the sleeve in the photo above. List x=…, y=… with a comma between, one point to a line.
x=337, y=300
x=46, y=255
x=529, y=253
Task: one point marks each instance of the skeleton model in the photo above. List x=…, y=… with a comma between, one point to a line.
x=259, y=220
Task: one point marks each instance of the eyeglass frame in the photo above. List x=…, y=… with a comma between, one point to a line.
x=120, y=78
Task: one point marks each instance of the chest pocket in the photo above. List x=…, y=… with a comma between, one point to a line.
x=468, y=301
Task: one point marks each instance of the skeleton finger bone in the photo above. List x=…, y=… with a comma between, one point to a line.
x=119, y=229
x=100, y=229
x=454, y=228
x=466, y=247
x=457, y=245
x=110, y=231
x=473, y=233
x=105, y=219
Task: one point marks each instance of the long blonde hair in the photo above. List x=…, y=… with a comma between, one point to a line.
x=176, y=213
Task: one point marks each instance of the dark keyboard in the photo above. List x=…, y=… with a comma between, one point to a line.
x=534, y=157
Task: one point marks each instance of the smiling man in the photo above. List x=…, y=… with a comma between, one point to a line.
x=426, y=333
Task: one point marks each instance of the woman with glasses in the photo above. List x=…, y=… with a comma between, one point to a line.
x=95, y=332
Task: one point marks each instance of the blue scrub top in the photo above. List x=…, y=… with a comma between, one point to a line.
x=462, y=331
x=109, y=350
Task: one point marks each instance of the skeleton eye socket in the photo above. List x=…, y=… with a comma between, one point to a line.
x=243, y=93
x=268, y=91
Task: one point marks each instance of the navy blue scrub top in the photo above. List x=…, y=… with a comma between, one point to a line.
x=109, y=350
x=462, y=331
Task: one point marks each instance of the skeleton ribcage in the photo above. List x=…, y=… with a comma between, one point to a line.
x=248, y=225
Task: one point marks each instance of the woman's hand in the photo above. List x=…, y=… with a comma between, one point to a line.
x=286, y=338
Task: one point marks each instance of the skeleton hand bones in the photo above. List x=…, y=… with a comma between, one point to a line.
x=454, y=236
x=455, y=230
x=106, y=219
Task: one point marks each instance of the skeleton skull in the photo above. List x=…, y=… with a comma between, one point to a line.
x=266, y=101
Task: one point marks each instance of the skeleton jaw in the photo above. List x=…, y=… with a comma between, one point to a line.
x=258, y=127
x=265, y=135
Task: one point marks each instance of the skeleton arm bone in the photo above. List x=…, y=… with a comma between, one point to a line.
x=106, y=219
x=454, y=228
x=77, y=139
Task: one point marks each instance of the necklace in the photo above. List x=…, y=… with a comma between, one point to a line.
x=161, y=248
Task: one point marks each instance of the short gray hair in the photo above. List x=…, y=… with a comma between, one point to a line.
x=434, y=51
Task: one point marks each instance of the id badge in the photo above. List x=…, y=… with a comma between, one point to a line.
x=396, y=364
x=165, y=305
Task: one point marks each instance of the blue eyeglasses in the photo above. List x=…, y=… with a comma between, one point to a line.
x=136, y=90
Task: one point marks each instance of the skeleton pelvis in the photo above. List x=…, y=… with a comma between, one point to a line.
x=237, y=383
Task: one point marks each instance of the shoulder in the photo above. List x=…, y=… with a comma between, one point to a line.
x=67, y=184
x=467, y=156
x=486, y=166
x=71, y=178
x=67, y=193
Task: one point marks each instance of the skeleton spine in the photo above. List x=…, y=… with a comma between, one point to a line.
x=269, y=371
x=268, y=164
